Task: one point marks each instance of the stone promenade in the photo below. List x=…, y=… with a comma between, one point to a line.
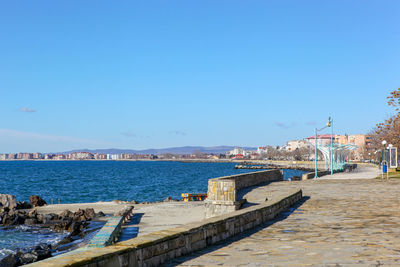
x=341, y=222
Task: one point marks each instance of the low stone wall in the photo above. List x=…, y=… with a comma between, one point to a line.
x=311, y=175
x=158, y=247
x=222, y=192
x=110, y=232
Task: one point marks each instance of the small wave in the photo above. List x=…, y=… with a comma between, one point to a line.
x=5, y=251
x=24, y=228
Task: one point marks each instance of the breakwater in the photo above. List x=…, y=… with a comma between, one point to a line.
x=274, y=167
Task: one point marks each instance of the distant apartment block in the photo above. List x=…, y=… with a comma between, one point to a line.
x=297, y=144
x=262, y=150
x=81, y=156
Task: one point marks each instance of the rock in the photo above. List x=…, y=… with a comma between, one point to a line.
x=31, y=221
x=84, y=215
x=79, y=215
x=66, y=214
x=64, y=241
x=6, y=209
x=89, y=213
x=26, y=256
x=32, y=213
x=37, y=201
x=7, y=219
x=8, y=201
x=18, y=220
x=54, y=216
x=23, y=205
x=77, y=227
x=62, y=225
x=134, y=202
x=40, y=252
x=44, y=218
x=9, y=261
x=100, y=214
x=43, y=251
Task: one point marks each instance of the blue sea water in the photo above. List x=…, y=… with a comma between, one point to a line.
x=92, y=181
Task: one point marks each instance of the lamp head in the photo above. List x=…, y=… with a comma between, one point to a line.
x=384, y=142
x=329, y=123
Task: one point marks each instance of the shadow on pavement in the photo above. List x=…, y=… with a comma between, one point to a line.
x=282, y=216
x=128, y=230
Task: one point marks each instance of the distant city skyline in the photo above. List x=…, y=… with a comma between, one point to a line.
x=141, y=75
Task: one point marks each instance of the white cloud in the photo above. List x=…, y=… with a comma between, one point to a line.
x=177, y=132
x=14, y=140
x=128, y=134
x=26, y=109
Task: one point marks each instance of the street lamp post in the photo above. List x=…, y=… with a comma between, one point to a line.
x=383, y=155
x=316, y=155
x=328, y=124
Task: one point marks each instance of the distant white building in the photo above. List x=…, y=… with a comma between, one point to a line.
x=296, y=144
x=236, y=151
x=262, y=150
x=81, y=155
x=113, y=156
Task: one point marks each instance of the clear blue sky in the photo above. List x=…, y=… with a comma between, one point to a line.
x=153, y=74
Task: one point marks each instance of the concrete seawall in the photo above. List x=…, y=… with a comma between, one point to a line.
x=222, y=192
x=158, y=247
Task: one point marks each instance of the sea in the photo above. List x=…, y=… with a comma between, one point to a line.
x=93, y=181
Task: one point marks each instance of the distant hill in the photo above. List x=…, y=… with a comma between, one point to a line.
x=172, y=150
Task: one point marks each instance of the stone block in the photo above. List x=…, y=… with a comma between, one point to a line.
x=8, y=201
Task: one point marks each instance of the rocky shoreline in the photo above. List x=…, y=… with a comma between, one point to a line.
x=76, y=224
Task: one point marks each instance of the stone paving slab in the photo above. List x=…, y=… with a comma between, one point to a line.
x=359, y=173
x=342, y=223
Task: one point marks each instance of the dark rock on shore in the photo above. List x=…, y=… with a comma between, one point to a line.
x=12, y=217
x=10, y=261
x=8, y=201
x=17, y=213
x=37, y=201
x=23, y=205
x=40, y=252
x=27, y=255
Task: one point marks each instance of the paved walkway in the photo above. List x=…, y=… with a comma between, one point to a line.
x=159, y=216
x=350, y=222
x=359, y=173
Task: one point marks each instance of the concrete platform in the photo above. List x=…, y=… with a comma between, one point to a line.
x=342, y=222
x=150, y=218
